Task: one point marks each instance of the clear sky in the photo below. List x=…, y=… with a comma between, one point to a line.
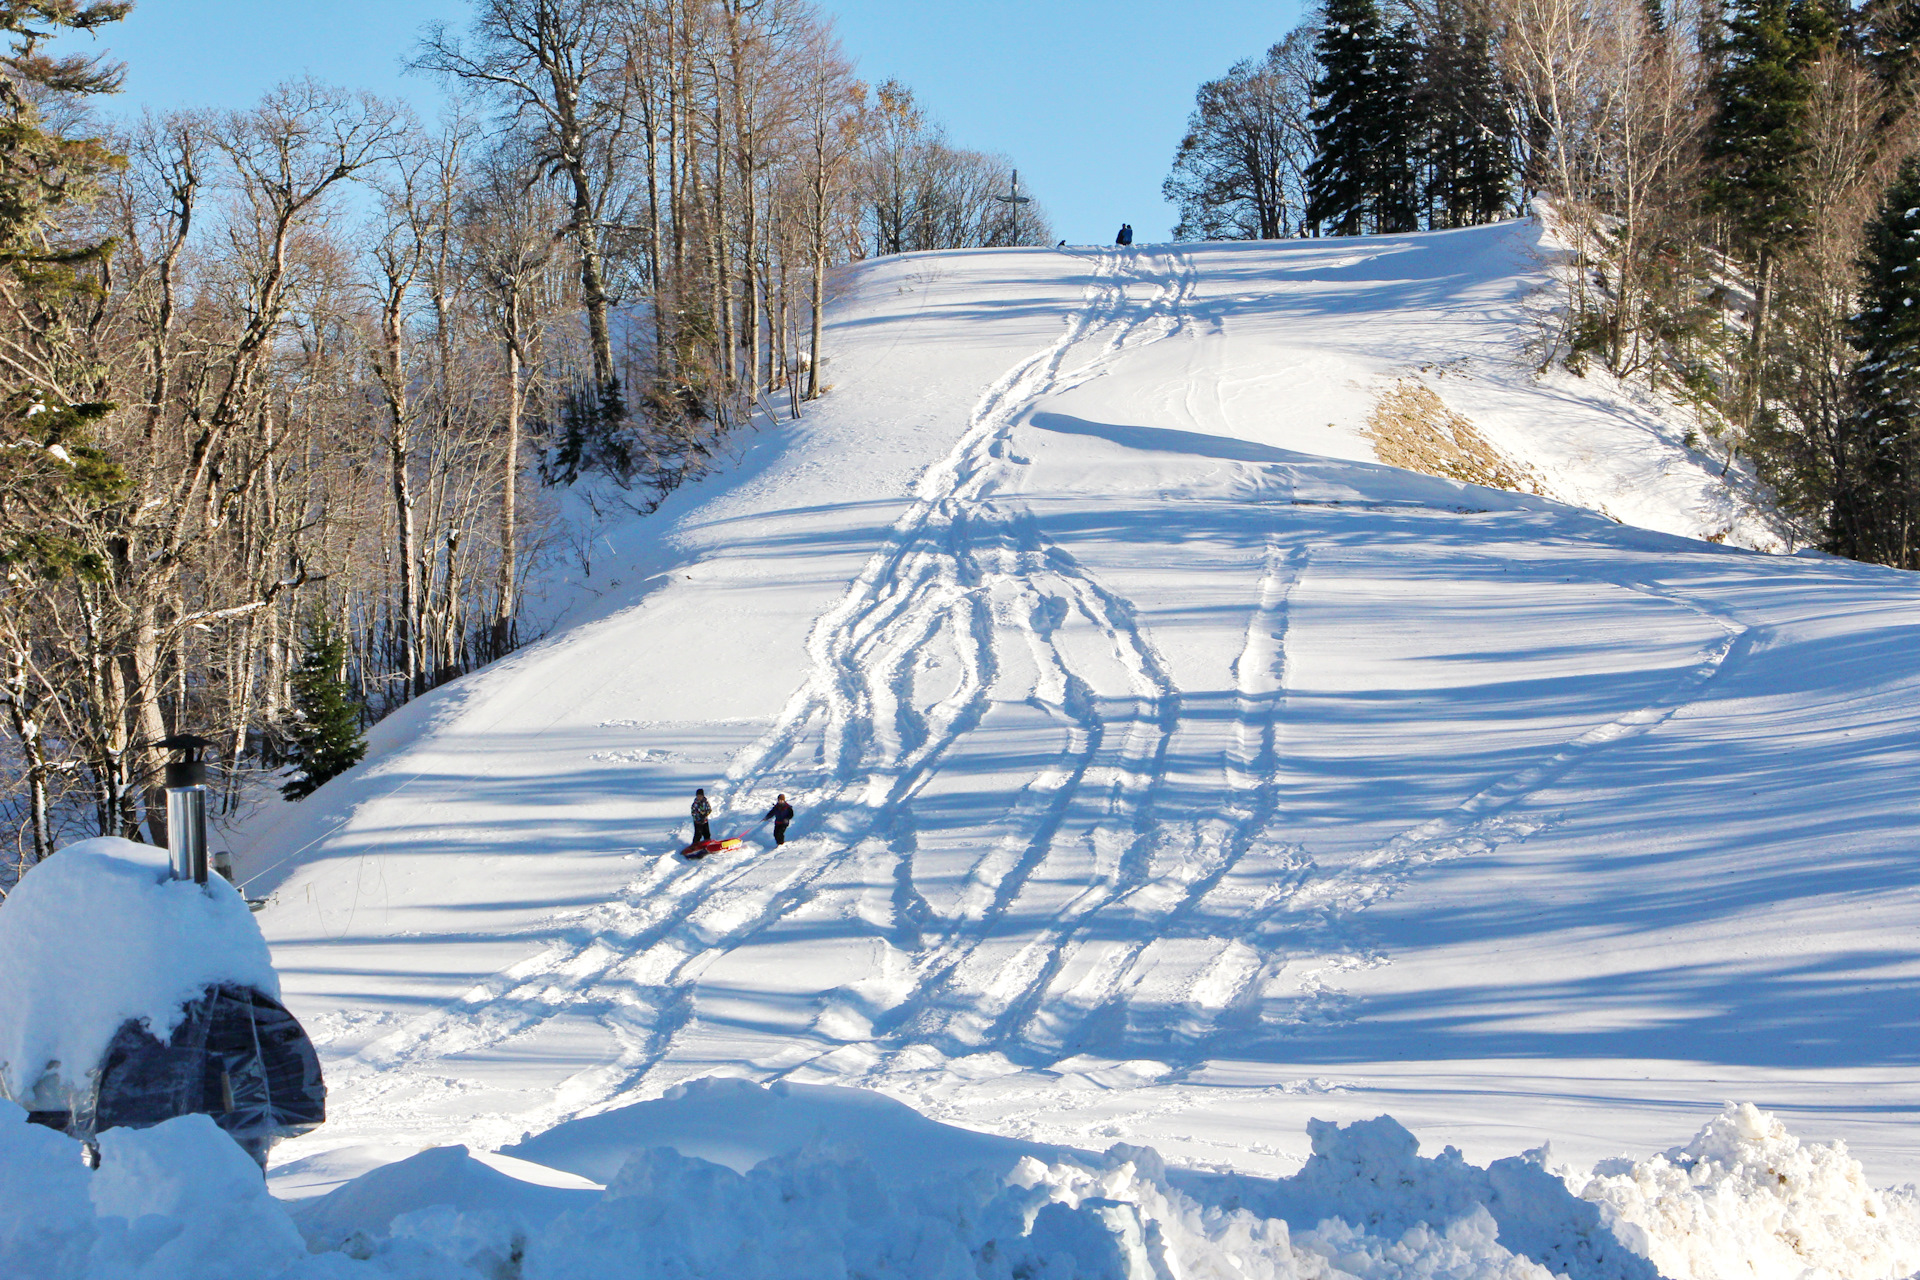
x=1088, y=98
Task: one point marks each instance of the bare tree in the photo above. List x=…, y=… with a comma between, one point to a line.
x=1242, y=164
x=506, y=223
x=559, y=68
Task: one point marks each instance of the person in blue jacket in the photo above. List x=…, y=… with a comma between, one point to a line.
x=1126, y=235
x=782, y=814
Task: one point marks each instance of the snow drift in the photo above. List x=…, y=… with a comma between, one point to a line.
x=181, y=1201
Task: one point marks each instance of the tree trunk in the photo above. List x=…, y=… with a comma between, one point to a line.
x=505, y=604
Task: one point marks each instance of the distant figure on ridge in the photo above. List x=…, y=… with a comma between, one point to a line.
x=1125, y=237
x=782, y=814
x=701, y=812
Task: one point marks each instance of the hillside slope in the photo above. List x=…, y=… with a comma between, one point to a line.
x=1169, y=770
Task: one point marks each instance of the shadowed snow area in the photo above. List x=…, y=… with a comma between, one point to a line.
x=1169, y=772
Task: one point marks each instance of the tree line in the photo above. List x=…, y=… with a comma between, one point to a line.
x=1735, y=183
x=286, y=392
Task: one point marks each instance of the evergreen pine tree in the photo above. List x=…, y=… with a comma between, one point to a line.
x=1876, y=455
x=51, y=478
x=327, y=740
x=1759, y=132
x=1342, y=181
x=1364, y=175
x=1756, y=146
x=1891, y=36
x=1469, y=166
x=1398, y=133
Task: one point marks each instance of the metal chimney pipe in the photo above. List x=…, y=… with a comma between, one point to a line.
x=187, y=808
x=187, y=832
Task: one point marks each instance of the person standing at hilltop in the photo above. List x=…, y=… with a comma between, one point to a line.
x=702, y=810
x=1125, y=237
x=782, y=814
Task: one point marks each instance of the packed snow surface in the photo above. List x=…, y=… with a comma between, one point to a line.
x=1171, y=773
x=101, y=935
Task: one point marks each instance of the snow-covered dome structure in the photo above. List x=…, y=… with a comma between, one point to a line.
x=129, y=997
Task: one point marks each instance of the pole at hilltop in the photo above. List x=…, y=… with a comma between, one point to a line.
x=1013, y=200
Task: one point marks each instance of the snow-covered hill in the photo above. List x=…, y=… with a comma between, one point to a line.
x=1170, y=770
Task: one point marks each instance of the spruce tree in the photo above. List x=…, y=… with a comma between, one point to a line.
x=52, y=479
x=1757, y=146
x=1890, y=31
x=1342, y=180
x=1876, y=453
x=326, y=740
x=1468, y=166
x=1397, y=133
x=1759, y=134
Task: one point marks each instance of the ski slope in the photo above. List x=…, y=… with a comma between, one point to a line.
x=1169, y=770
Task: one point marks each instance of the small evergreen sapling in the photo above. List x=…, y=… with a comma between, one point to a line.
x=327, y=739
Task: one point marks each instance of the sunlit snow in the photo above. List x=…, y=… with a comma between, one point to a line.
x=1170, y=773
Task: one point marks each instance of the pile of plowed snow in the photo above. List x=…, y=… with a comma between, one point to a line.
x=832, y=1198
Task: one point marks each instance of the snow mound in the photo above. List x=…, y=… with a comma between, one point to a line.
x=808, y=1216
x=739, y=1123
x=1747, y=1200
x=46, y=1219
x=98, y=934
x=181, y=1201
x=173, y=1202
x=1370, y=1174
x=440, y=1178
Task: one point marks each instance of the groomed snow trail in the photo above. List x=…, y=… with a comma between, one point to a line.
x=961, y=572
x=1167, y=771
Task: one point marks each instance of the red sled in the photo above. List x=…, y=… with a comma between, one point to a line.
x=701, y=848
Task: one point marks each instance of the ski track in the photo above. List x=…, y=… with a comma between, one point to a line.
x=1220, y=929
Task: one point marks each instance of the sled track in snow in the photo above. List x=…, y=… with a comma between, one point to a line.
x=971, y=571
x=948, y=559
x=1215, y=911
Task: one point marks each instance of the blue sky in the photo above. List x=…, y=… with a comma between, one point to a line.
x=1089, y=99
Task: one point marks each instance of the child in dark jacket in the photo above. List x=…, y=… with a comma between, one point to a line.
x=782, y=814
x=702, y=810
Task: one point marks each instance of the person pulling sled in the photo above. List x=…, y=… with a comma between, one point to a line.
x=782, y=814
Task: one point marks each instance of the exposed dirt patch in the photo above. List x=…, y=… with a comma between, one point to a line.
x=1412, y=427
